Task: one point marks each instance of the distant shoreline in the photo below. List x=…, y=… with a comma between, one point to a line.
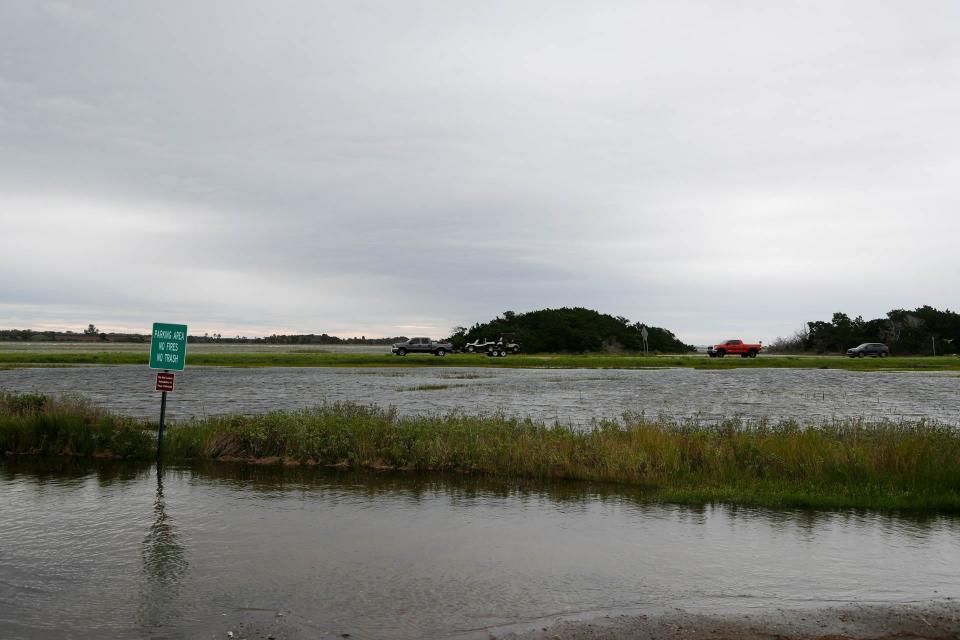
x=375, y=356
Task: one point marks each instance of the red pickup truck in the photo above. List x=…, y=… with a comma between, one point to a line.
x=734, y=347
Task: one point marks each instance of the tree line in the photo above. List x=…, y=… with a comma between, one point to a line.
x=91, y=333
x=921, y=331
x=300, y=338
x=33, y=335
x=570, y=330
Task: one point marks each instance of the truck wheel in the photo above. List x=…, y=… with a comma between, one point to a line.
x=721, y=353
x=883, y=354
x=863, y=355
x=471, y=349
x=516, y=349
x=401, y=352
x=503, y=353
x=441, y=352
x=752, y=353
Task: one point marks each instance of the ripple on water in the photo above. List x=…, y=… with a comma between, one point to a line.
x=567, y=396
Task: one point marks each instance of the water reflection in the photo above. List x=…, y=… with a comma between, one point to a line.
x=74, y=474
x=468, y=489
x=264, y=481
x=124, y=550
x=164, y=565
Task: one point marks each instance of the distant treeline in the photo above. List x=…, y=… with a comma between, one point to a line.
x=32, y=335
x=303, y=338
x=921, y=331
x=91, y=334
x=570, y=330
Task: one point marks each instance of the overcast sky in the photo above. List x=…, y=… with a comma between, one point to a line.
x=721, y=169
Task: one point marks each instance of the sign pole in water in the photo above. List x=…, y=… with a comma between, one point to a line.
x=163, y=411
x=168, y=351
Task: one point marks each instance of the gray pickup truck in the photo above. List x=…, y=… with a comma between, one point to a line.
x=422, y=345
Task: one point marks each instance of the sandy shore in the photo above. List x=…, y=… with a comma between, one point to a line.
x=932, y=621
x=856, y=622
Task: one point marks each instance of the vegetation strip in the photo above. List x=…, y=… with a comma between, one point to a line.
x=522, y=361
x=841, y=464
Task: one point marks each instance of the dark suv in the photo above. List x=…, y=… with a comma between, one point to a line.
x=869, y=349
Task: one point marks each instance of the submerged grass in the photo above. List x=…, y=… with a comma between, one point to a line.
x=523, y=361
x=841, y=464
x=432, y=387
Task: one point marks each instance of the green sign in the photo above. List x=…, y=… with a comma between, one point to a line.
x=168, y=346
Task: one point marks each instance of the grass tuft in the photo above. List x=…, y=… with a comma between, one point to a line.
x=38, y=424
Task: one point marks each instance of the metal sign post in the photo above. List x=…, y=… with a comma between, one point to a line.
x=163, y=411
x=168, y=350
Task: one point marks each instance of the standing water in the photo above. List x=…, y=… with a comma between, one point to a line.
x=124, y=552
x=569, y=396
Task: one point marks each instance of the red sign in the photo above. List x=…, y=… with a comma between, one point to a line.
x=164, y=382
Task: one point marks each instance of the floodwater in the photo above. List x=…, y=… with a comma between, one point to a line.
x=114, y=551
x=567, y=396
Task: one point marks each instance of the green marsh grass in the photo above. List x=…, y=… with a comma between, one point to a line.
x=522, y=361
x=893, y=465
x=44, y=425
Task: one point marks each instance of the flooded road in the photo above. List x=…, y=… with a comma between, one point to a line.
x=115, y=551
x=569, y=396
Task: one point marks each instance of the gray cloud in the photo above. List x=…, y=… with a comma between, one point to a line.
x=716, y=169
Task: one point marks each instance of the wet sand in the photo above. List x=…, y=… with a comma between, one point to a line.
x=932, y=621
x=853, y=622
